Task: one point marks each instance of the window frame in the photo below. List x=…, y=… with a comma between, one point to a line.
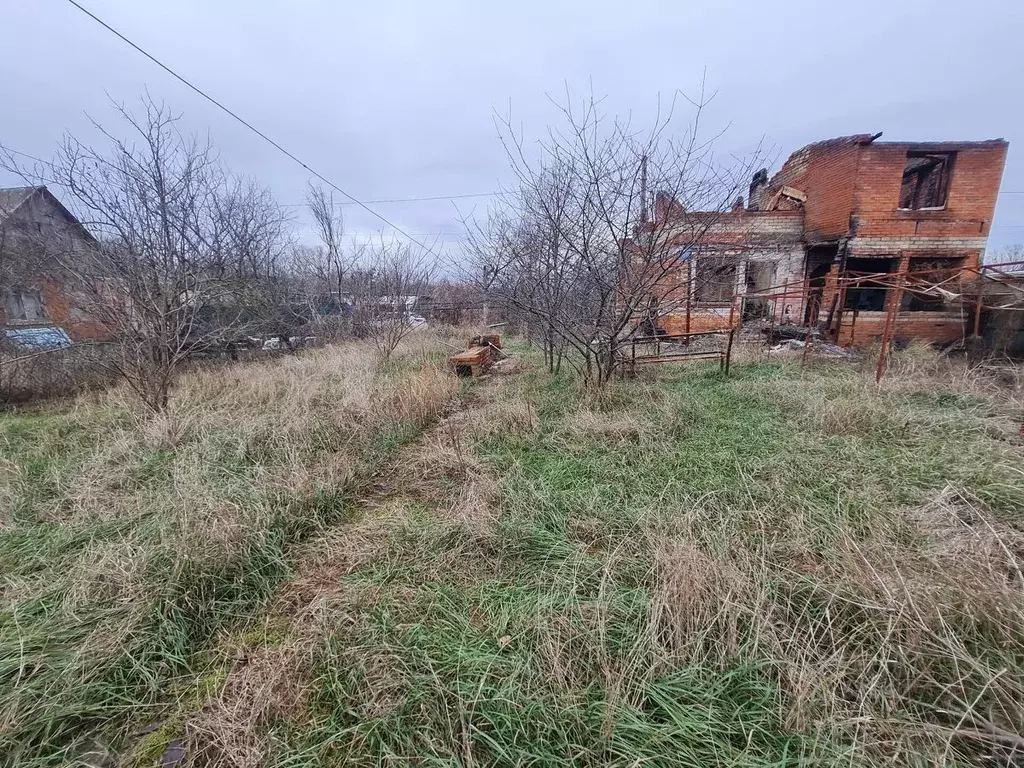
x=945, y=180
x=14, y=298
x=727, y=262
x=952, y=264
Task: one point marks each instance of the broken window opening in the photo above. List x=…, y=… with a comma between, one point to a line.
x=24, y=305
x=816, y=277
x=938, y=270
x=759, y=277
x=868, y=296
x=716, y=280
x=926, y=177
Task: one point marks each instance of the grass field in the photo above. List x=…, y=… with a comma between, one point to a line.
x=314, y=561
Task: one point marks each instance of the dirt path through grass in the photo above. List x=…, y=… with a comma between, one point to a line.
x=434, y=479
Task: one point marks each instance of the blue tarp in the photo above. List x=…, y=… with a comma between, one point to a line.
x=39, y=338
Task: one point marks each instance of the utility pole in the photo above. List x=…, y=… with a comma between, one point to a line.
x=643, y=189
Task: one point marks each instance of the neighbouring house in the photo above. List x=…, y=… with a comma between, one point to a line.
x=38, y=307
x=842, y=208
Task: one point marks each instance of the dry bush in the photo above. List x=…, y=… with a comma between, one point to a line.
x=894, y=634
x=418, y=397
x=56, y=373
x=299, y=422
x=920, y=367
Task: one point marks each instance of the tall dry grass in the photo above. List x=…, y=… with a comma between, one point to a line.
x=789, y=566
x=127, y=542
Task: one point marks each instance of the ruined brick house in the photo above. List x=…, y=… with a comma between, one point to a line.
x=38, y=306
x=842, y=207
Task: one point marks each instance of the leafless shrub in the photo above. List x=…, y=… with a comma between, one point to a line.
x=393, y=274
x=27, y=375
x=576, y=253
x=181, y=256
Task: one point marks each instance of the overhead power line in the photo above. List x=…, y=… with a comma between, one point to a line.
x=247, y=124
x=404, y=199
x=303, y=205
x=437, y=197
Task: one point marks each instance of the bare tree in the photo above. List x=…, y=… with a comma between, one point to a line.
x=389, y=279
x=1008, y=254
x=183, y=253
x=252, y=233
x=332, y=266
x=577, y=249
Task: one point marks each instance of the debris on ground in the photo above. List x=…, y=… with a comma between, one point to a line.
x=484, y=351
x=834, y=349
x=790, y=331
x=818, y=348
x=486, y=340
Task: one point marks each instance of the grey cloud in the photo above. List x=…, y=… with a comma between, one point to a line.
x=397, y=100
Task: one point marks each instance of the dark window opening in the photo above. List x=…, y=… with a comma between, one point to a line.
x=24, y=305
x=868, y=296
x=759, y=276
x=716, y=280
x=926, y=179
x=918, y=296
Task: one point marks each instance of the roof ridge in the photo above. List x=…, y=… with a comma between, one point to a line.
x=12, y=198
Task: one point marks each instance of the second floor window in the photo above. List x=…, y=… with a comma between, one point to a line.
x=926, y=180
x=24, y=305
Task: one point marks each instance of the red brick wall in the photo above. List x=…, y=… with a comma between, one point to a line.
x=61, y=311
x=932, y=327
x=826, y=172
x=970, y=204
x=701, y=320
x=853, y=188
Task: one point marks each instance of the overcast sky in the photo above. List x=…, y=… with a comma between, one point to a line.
x=396, y=100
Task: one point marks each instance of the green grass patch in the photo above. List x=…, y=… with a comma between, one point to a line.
x=548, y=639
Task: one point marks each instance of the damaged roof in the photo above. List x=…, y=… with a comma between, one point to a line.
x=12, y=198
